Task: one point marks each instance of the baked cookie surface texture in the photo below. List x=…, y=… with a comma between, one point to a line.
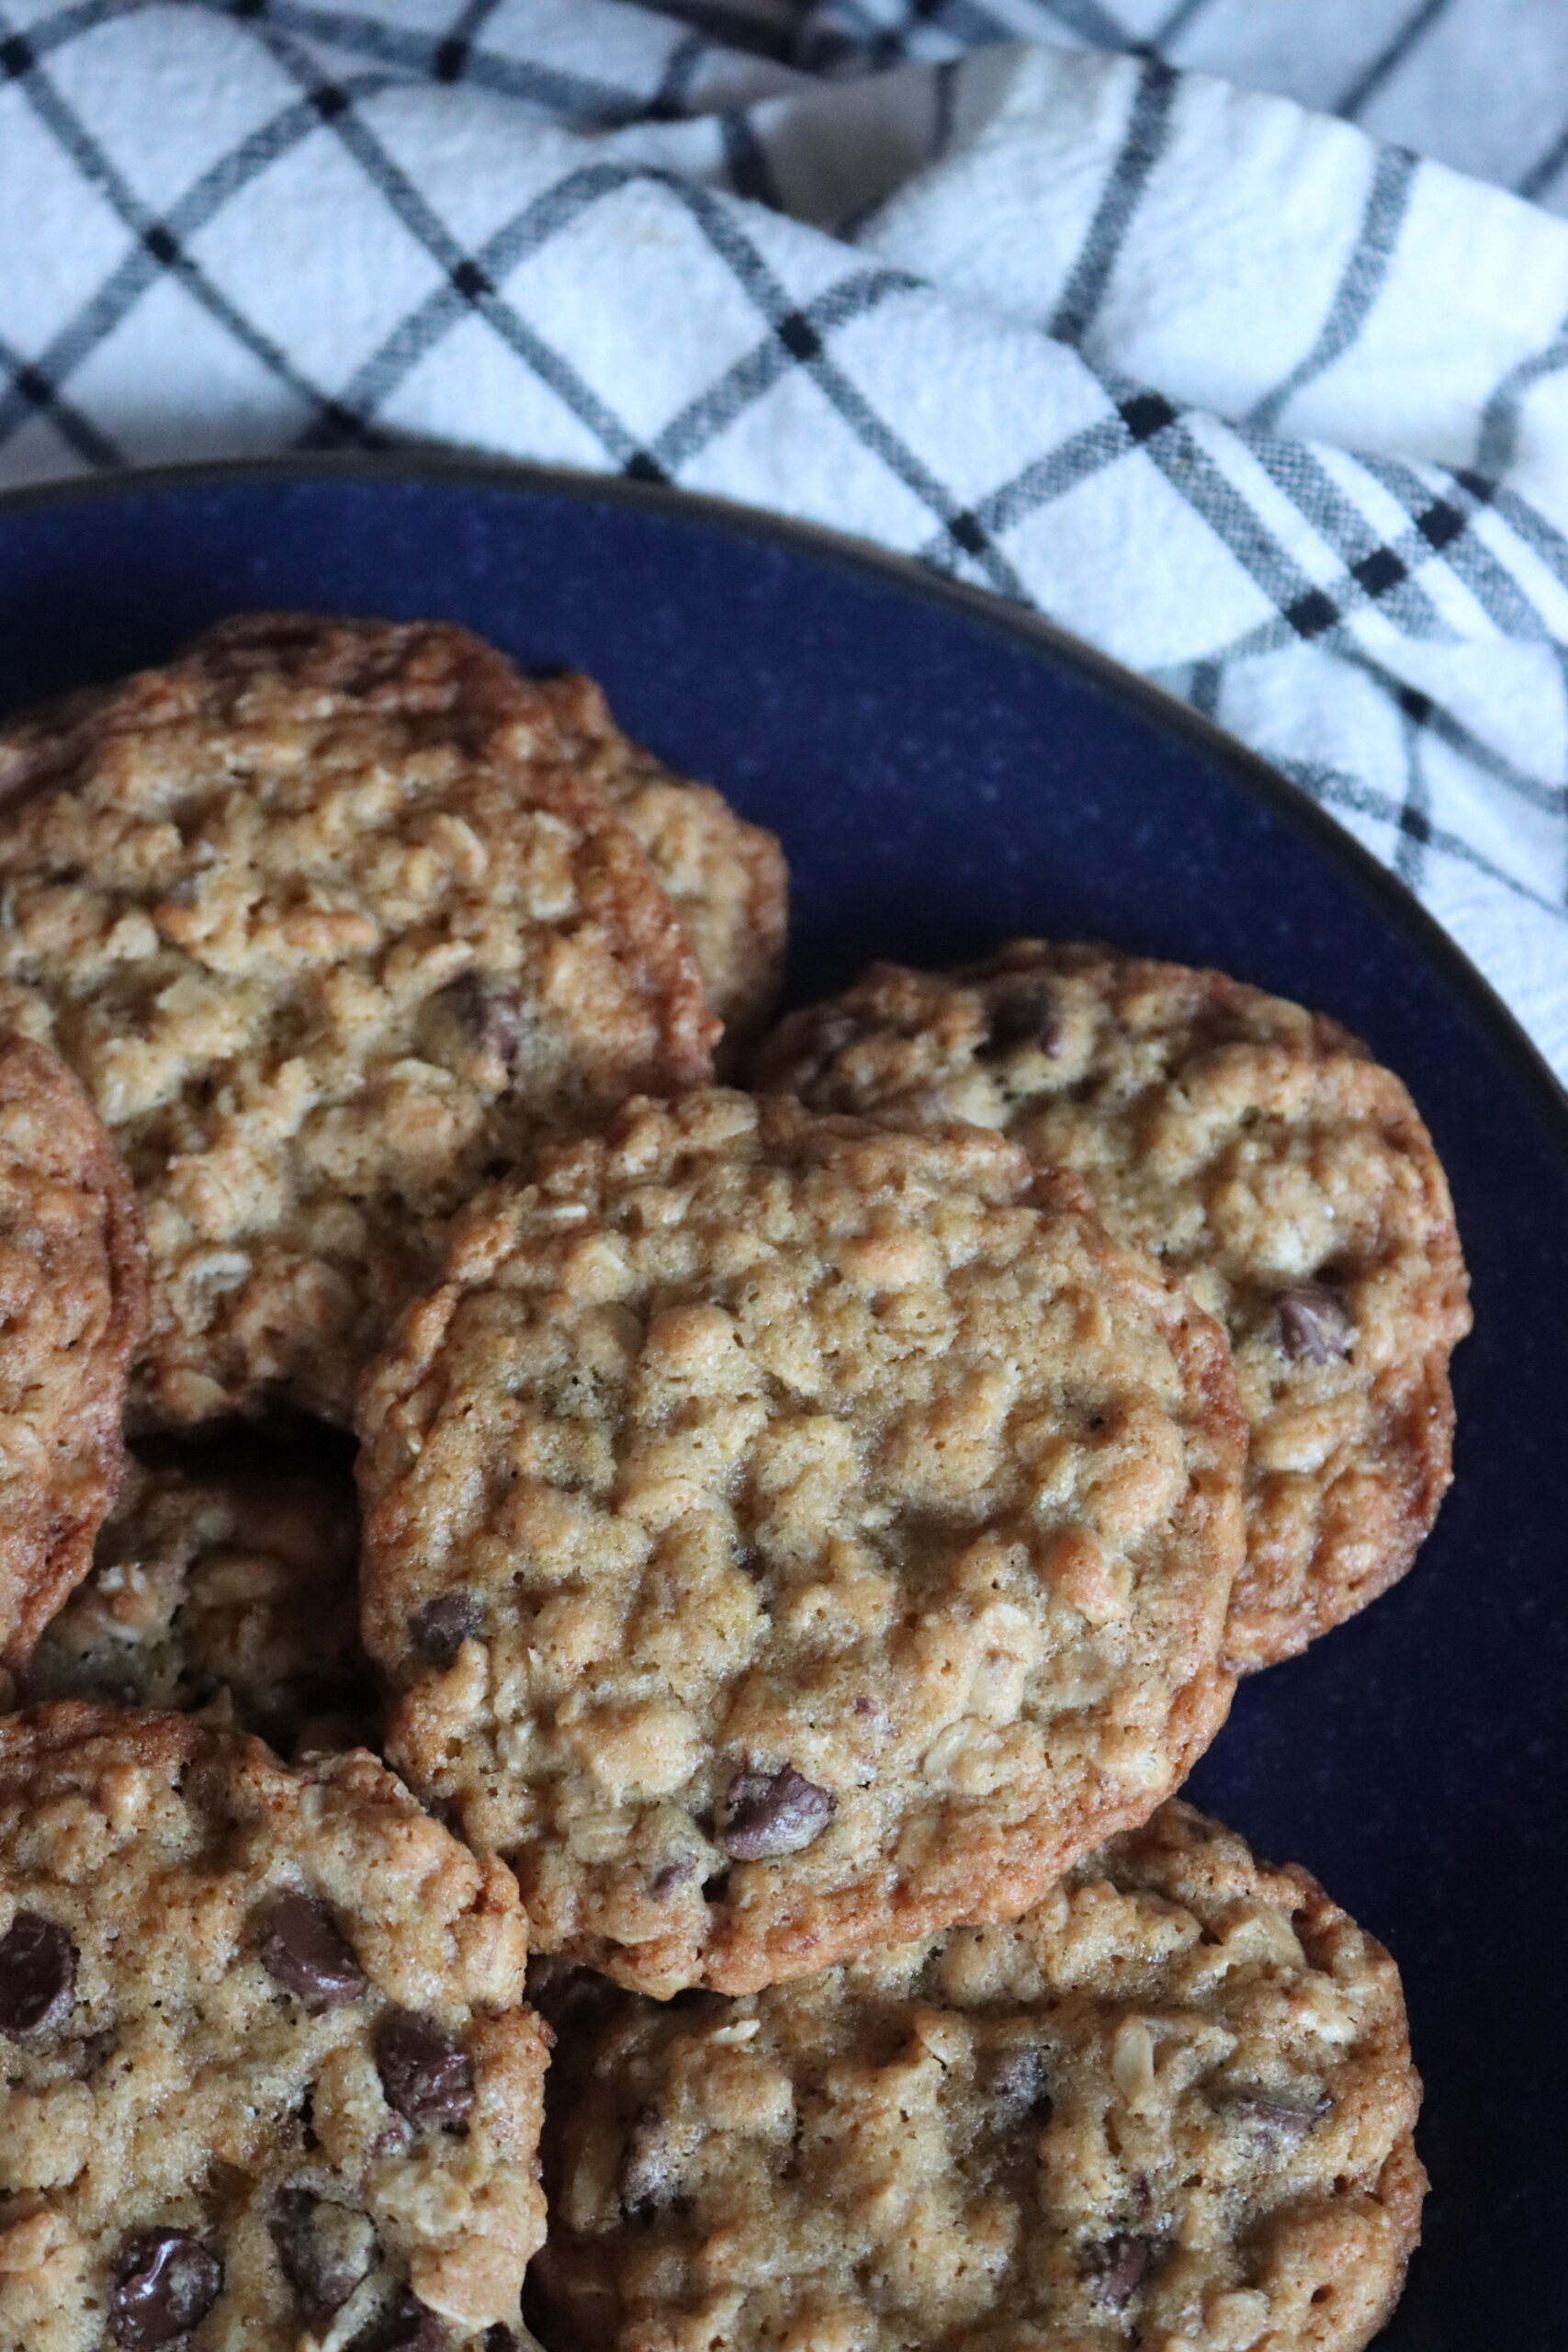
x=328, y=930
x=782, y=1535
x=727, y=879
x=72, y=1311
x=1170, y=2107
x=1283, y=1175
x=265, y=2077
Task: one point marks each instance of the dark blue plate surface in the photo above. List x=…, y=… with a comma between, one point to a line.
x=943, y=773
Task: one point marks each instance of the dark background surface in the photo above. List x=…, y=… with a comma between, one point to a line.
x=944, y=775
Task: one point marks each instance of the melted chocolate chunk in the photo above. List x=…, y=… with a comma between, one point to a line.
x=767, y=1813
x=1278, y=2121
x=1026, y=1015
x=489, y=1017
x=1019, y=2087
x=1115, y=2269
x=303, y=1950
x=163, y=2284
x=409, y=2326
x=1314, y=1325
x=428, y=2076
x=439, y=1630
x=326, y=2250
x=38, y=1975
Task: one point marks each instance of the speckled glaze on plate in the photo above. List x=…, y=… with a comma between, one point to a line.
x=946, y=772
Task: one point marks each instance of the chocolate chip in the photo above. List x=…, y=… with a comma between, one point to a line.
x=303, y=1949
x=439, y=1629
x=38, y=1975
x=497, y=2339
x=409, y=2326
x=1315, y=1324
x=1026, y=1015
x=394, y=2139
x=650, y=2171
x=1278, y=2121
x=427, y=2075
x=669, y=1876
x=325, y=2249
x=488, y=1016
x=163, y=2284
x=766, y=1814
x=1115, y=2268
x=1019, y=2087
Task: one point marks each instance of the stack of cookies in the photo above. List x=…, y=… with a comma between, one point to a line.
x=699, y=1826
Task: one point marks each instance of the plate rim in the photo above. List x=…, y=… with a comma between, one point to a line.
x=1033, y=630
x=1500, y=1038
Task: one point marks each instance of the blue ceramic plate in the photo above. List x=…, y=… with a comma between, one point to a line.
x=944, y=772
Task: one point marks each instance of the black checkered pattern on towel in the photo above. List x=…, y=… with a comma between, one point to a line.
x=277, y=225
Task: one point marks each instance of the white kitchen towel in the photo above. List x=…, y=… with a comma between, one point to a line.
x=1267, y=407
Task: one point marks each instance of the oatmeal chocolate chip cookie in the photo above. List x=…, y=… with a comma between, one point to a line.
x=1276, y=1170
x=328, y=929
x=783, y=1536
x=1172, y=2107
x=728, y=879
x=226, y=1580
x=265, y=2073
x=72, y=1312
